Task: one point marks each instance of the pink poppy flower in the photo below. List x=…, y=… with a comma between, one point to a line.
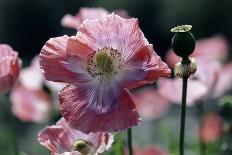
x=171, y=90
x=32, y=72
x=211, y=127
x=9, y=68
x=200, y=85
x=148, y=150
x=150, y=104
x=214, y=48
x=74, y=22
x=105, y=58
x=61, y=139
x=224, y=81
x=30, y=105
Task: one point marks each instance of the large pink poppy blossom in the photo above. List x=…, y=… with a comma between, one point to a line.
x=106, y=58
x=74, y=22
x=9, y=68
x=30, y=105
x=61, y=139
x=213, y=48
x=148, y=150
x=150, y=104
x=211, y=127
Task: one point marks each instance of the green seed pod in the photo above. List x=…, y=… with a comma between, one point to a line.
x=183, y=41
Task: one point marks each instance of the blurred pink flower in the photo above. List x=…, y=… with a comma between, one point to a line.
x=224, y=81
x=211, y=127
x=105, y=58
x=148, y=150
x=171, y=90
x=31, y=77
x=213, y=48
x=61, y=139
x=150, y=104
x=9, y=68
x=74, y=22
x=30, y=105
x=211, y=80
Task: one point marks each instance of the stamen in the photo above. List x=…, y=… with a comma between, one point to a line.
x=104, y=63
x=82, y=146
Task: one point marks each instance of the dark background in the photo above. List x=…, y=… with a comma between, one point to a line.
x=27, y=24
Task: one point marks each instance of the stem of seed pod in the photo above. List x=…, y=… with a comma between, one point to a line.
x=183, y=114
x=129, y=136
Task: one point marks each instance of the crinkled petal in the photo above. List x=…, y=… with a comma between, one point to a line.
x=58, y=65
x=143, y=68
x=80, y=113
x=55, y=138
x=9, y=68
x=115, y=32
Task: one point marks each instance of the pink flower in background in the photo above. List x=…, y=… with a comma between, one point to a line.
x=31, y=77
x=9, y=68
x=213, y=48
x=148, y=150
x=171, y=90
x=150, y=104
x=61, y=139
x=30, y=105
x=106, y=58
x=211, y=80
x=74, y=22
x=211, y=127
x=224, y=80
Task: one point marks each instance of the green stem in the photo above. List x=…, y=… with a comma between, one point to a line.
x=129, y=136
x=183, y=114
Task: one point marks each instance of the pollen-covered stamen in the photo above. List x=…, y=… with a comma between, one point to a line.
x=104, y=63
x=82, y=146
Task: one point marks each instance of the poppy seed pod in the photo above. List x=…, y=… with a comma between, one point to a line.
x=183, y=41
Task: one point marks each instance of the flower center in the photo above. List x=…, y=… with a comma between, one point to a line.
x=104, y=63
x=82, y=146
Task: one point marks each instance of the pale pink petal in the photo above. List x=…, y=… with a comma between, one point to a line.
x=30, y=105
x=74, y=101
x=171, y=89
x=150, y=104
x=55, y=138
x=9, y=68
x=74, y=22
x=211, y=127
x=113, y=32
x=57, y=65
x=70, y=21
x=29, y=73
x=143, y=68
x=224, y=81
x=59, y=139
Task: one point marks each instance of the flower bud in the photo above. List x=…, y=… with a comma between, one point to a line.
x=183, y=41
